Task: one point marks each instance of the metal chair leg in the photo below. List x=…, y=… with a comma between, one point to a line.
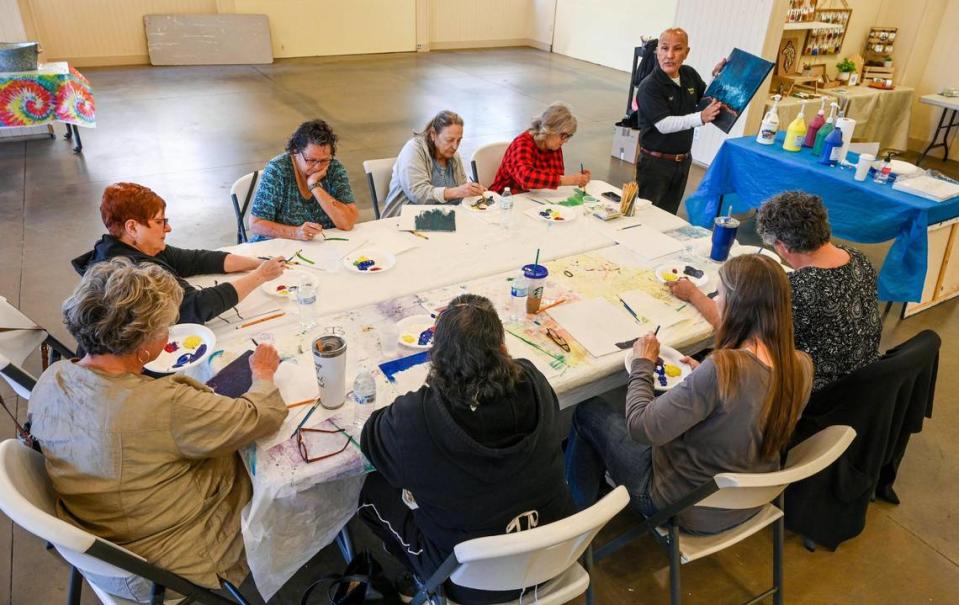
x=779, y=531
x=345, y=544
x=76, y=587
x=588, y=564
x=156, y=594
x=675, y=597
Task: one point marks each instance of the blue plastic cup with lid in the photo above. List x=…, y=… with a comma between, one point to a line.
x=536, y=276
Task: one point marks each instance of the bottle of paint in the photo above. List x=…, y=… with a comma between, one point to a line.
x=832, y=148
x=816, y=124
x=826, y=129
x=770, y=124
x=796, y=133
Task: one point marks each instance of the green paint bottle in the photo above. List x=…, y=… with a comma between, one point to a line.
x=825, y=130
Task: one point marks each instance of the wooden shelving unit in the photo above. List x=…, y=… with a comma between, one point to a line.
x=880, y=46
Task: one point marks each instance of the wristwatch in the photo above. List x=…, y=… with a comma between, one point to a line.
x=316, y=184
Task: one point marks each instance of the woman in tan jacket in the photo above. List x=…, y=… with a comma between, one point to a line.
x=149, y=464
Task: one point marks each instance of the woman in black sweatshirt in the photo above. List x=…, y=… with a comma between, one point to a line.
x=136, y=219
x=475, y=452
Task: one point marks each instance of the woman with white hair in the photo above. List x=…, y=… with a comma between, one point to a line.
x=534, y=160
x=150, y=464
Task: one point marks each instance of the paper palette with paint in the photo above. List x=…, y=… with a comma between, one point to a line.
x=369, y=261
x=670, y=370
x=416, y=331
x=675, y=272
x=188, y=345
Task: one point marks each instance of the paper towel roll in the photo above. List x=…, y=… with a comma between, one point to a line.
x=847, y=126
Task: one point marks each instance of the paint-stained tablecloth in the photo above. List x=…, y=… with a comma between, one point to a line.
x=55, y=92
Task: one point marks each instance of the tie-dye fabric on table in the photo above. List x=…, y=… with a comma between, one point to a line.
x=54, y=93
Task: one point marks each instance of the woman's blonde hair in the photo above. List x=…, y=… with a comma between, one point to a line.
x=118, y=306
x=556, y=119
x=758, y=306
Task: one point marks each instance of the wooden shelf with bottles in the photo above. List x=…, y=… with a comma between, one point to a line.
x=828, y=40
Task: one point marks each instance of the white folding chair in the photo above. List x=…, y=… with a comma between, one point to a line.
x=19, y=337
x=244, y=188
x=485, y=162
x=378, y=175
x=28, y=499
x=736, y=491
x=542, y=560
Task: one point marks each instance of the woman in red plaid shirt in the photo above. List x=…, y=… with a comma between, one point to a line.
x=534, y=160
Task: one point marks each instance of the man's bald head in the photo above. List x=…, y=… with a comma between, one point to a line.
x=675, y=31
x=672, y=50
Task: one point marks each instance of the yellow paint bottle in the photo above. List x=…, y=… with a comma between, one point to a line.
x=796, y=133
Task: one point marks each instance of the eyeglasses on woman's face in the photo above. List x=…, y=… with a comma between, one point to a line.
x=316, y=162
x=565, y=136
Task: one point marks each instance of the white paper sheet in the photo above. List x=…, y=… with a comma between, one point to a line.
x=647, y=242
x=580, y=319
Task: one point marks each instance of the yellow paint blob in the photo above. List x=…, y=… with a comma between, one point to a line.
x=671, y=370
x=192, y=342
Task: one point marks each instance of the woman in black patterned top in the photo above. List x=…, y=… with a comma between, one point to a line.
x=835, y=301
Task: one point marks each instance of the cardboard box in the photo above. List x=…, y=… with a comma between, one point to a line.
x=625, y=144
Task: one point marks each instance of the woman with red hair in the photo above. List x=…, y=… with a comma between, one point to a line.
x=135, y=217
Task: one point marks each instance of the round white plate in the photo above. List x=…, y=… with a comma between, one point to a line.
x=182, y=335
x=669, y=355
x=677, y=269
x=491, y=204
x=556, y=213
x=410, y=328
x=383, y=261
x=283, y=286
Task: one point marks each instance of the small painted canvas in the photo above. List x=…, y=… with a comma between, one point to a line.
x=735, y=86
x=427, y=218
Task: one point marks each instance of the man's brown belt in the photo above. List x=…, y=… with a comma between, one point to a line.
x=673, y=157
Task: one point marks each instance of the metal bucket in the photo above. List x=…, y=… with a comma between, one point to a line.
x=18, y=56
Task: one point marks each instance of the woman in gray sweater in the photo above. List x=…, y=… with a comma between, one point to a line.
x=429, y=169
x=734, y=413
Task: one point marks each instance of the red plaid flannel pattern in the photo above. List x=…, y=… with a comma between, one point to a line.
x=526, y=167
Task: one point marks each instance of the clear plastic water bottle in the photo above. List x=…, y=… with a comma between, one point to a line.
x=517, y=299
x=506, y=208
x=364, y=396
x=306, y=302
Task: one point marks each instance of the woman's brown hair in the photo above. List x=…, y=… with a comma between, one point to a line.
x=758, y=307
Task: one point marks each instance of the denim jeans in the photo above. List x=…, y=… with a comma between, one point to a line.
x=599, y=443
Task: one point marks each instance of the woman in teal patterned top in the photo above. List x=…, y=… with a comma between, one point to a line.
x=303, y=190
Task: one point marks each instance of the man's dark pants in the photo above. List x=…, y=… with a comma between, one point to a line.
x=662, y=181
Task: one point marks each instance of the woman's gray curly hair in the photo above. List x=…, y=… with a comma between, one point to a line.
x=556, y=119
x=797, y=219
x=118, y=306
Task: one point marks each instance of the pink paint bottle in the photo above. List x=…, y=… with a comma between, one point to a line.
x=816, y=124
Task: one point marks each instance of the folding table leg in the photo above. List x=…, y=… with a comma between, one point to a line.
x=76, y=587
x=675, y=596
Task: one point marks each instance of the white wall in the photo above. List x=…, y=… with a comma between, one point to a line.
x=306, y=28
x=542, y=16
x=714, y=29
x=11, y=25
x=607, y=32
x=941, y=71
x=478, y=23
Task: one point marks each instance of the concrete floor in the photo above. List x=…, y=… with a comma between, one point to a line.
x=189, y=132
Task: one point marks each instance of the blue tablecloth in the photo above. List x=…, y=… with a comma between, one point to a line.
x=858, y=211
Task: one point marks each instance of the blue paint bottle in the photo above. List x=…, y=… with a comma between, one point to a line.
x=831, y=148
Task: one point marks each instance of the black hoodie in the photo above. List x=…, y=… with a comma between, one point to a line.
x=467, y=482
x=199, y=305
